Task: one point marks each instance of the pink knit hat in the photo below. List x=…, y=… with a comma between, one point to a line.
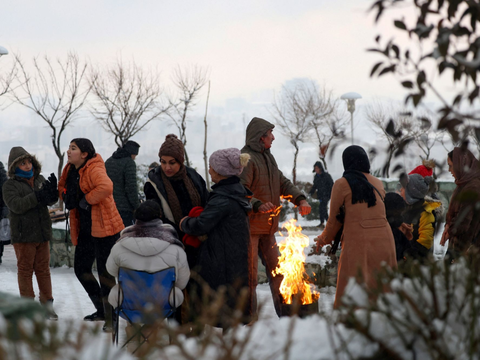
x=228, y=162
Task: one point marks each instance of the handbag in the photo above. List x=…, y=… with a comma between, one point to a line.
x=5, y=232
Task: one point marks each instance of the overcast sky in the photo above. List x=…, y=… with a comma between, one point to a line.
x=250, y=46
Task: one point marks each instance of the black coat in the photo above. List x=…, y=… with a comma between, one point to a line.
x=322, y=184
x=155, y=177
x=223, y=257
x=3, y=179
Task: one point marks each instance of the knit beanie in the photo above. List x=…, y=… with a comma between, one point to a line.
x=131, y=147
x=416, y=188
x=426, y=169
x=147, y=211
x=228, y=162
x=173, y=147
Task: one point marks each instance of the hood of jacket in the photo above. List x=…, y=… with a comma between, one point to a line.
x=121, y=153
x=233, y=189
x=255, y=130
x=18, y=154
x=149, y=238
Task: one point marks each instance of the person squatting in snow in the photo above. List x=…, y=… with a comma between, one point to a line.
x=27, y=195
x=95, y=223
x=223, y=255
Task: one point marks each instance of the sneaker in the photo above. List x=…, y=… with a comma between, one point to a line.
x=96, y=316
x=51, y=314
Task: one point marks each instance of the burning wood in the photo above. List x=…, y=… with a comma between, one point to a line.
x=291, y=265
x=277, y=210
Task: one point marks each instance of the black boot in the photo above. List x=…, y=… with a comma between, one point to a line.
x=98, y=315
x=109, y=316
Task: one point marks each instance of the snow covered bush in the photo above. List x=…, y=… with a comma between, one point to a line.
x=37, y=338
x=431, y=312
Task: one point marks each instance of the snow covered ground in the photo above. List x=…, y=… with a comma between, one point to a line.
x=310, y=337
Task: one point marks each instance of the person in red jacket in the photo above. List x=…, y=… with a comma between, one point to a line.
x=95, y=223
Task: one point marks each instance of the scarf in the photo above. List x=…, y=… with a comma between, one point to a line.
x=172, y=196
x=24, y=174
x=356, y=163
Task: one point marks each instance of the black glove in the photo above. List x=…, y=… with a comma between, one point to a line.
x=83, y=204
x=43, y=196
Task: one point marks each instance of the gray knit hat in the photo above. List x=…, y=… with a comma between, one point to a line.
x=416, y=188
x=228, y=162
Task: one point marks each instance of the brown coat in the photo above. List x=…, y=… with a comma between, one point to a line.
x=263, y=178
x=98, y=189
x=367, y=239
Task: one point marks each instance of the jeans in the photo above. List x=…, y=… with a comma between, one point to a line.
x=265, y=246
x=34, y=257
x=87, y=251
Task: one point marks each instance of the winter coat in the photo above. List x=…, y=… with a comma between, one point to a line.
x=121, y=169
x=322, y=184
x=263, y=178
x=223, y=257
x=149, y=246
x=98, y=189
x=29, y=220
x=3, y=179
x=422, y=216
x=155, y=190
x=367, y=240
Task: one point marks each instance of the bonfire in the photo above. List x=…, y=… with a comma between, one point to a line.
x=291, y=264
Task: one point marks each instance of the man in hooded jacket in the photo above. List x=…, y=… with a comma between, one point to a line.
x=121, y=169
x=267, y=183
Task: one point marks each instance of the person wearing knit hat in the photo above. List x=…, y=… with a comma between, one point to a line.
x=426, y=169
x=149, y=245
x=122, y=170
x=177, y=188
x=421, y=212
x=223, y=256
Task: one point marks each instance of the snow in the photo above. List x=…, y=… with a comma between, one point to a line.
x=314, y=337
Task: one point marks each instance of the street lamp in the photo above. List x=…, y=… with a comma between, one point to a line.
x=3, y=51
x=350, y=99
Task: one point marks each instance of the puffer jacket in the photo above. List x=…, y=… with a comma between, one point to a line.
x=98, y=189
x=29, y=221
x=3, y=179
x=422, y=216
x=121, y=169
x=149, y=246
x=263, y=178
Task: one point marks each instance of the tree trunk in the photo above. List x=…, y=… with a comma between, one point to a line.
x=294, y=171
x=207, y=178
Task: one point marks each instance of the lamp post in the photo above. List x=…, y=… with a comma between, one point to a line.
x=350, y=99
x=3, y=51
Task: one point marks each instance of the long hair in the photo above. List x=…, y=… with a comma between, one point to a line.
x=85, y=145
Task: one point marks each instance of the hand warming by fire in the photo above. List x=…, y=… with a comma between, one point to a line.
x=291, y=266
x=275, y=212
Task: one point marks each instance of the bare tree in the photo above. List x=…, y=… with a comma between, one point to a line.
x=7, y=79
x=395, y=124
x=55, y=91
x=127, y=99
x=188, y=81
x=425, y=135
x=301, y=111
x=205, y=158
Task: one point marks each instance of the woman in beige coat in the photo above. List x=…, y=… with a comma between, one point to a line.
x=367, y=240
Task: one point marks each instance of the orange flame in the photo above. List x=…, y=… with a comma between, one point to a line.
x=291, y=266
x=277, y=210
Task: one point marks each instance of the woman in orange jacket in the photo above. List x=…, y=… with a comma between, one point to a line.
x=95, y=223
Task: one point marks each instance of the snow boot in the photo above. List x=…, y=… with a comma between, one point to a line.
x=51, y=314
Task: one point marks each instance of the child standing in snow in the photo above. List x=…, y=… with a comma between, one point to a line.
x=27, y=194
